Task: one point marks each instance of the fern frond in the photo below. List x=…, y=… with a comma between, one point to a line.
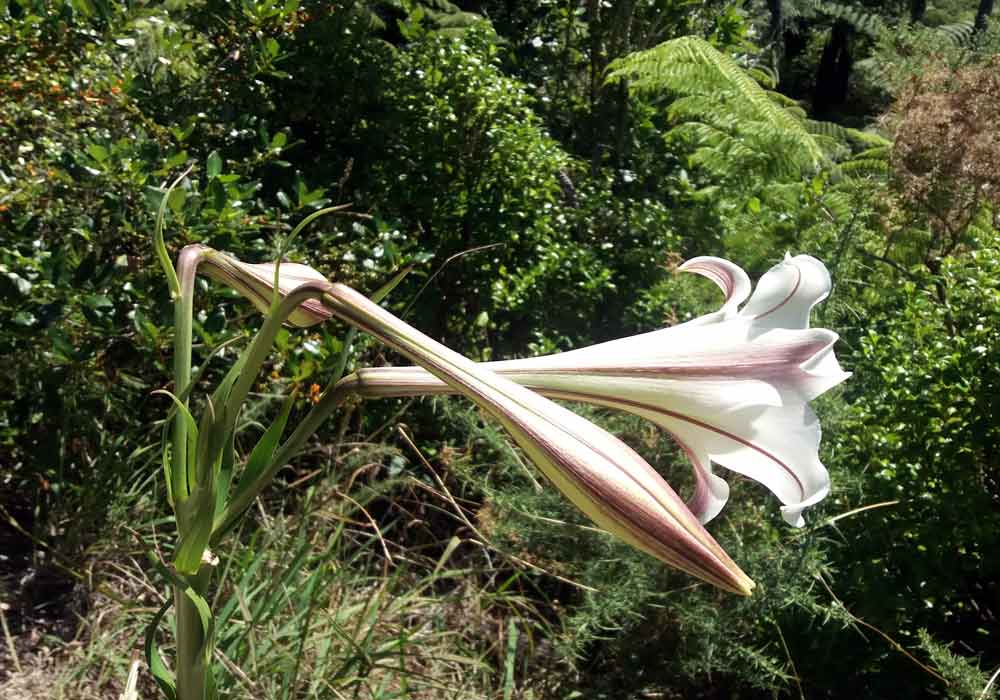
x=828, y=129
x=879, y=153
x=862, y=21
x=840, y=205
x=730, y=99
x=869, y=138
x=983, y=224
x=862, y=167
x=764, y=75
x=959, y=33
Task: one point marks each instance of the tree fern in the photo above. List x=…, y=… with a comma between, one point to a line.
x=860, y=20
x=985, y=224
x=738, y=117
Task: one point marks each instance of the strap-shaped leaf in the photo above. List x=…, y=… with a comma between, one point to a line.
x=197, y=514
x=161, y=674
x=384, y=291
x=225, y=476
x=200, y=604
x=221, y=393
x=181, y=494
x=215, y=432
x=200, y=516
x=263, y=452
x=168, y=474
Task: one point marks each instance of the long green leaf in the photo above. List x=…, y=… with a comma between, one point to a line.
x=181, y=494
x=161, y=674
x=264, y=450
x=200, y=604
x=200, y=516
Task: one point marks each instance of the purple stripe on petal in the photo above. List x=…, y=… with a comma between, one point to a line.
x=624, y=403
x=791, y=294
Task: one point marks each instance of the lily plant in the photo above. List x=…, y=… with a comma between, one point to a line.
x=728, y=385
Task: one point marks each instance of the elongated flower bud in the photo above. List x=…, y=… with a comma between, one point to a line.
x=602, y=476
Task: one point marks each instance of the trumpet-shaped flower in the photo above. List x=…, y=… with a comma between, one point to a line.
x=601, y=475
x=732, y=386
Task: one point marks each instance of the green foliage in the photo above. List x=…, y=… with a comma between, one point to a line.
x=860, y=19
x=732, y=122
x=965, y=680
x=577, y=197
x=477, y=173
x=926, y=391
x=900, y=56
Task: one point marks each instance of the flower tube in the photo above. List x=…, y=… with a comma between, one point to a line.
x=255, y=281
x=732, y=386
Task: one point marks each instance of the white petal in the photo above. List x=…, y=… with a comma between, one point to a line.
x=711, y=491
x=787, y=292
x=778, y=447
x=729, y=277
x=798, y=359
x=822, y=371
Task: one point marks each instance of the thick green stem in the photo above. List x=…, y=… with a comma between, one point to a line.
x=193, y=649
x=187, y=268
x=183, y=307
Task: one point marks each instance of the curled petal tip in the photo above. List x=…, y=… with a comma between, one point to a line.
x=711, y=492
x=728, y=276
x=787, y=293
x=792, y=513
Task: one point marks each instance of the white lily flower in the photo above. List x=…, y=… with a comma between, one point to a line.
x=733, y=387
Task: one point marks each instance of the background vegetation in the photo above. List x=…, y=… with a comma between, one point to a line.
x=544, y=166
